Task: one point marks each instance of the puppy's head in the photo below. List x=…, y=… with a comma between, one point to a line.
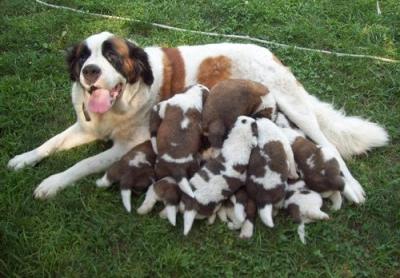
x=104, y=65
x=245, y=129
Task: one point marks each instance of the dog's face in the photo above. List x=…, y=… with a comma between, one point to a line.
x=104, y=65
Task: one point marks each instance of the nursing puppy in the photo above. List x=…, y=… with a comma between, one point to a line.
x=220, y=177
x=303, y=205
x=134, y=171
x=165, y=190
x=317, y=165
x=229, y=99
x=175, y=127
x=270, y=165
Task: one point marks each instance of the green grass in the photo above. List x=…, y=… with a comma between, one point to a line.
x=85, y=231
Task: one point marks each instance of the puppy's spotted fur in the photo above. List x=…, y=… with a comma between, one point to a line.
x=134, y=171
x=220, y=177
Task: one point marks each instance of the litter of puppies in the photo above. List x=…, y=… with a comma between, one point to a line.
x=228, y=152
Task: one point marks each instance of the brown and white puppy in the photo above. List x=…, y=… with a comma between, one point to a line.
x=222, y=176
x=134, y=171
x=317, y=165
x=303, y=205
x=270, y=165
x=167, y=191
x=175, y=127
x=229, y=99
x=241, y=199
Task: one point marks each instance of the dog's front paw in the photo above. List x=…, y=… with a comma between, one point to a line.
x=49, y=187
x=23, y=160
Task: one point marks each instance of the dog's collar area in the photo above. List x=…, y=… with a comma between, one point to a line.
x=85, y=113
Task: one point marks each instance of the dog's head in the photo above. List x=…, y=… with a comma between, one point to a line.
x=104, y=65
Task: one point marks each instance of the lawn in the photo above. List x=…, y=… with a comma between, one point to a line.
x=84, y=231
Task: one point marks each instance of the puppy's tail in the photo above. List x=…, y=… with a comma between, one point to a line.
x=351, y=135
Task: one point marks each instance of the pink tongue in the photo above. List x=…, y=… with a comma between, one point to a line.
x=100, y=101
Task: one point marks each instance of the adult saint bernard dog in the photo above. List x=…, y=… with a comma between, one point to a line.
x=116, y=83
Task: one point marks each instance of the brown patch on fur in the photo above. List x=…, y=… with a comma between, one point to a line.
x=215, y=166
x=168, y=191
x=174, y=73
x=325, y=175
x=294, y=212
x=240, y=168
x=277, y=162
x=289, y=193
x=251, y=210
x=233, y=183
x=228, y=100
x=137, y=178
x=204, y=175
x=214, y=69
x=278, y=159
x=241, y=196
x=264, y=113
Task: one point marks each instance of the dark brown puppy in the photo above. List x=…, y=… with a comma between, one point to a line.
x=230, y=99
x=134, y=171
x=317, y=166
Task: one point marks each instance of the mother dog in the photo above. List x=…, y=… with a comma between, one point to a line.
x=116, y=83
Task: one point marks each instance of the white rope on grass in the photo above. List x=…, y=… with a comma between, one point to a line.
x=213, y=34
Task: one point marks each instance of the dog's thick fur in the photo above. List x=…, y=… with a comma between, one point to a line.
x=137, y=78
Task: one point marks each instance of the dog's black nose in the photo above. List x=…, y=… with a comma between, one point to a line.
x=91, y=73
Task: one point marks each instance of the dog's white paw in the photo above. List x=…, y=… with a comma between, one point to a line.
x=49, y=187
x=23, y=160
x=353, y=191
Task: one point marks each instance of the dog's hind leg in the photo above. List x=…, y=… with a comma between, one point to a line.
x=301, y=114
x=69, y=138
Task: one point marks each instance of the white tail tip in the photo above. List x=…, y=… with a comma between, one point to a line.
x=266, y=215
x=171, y=214
x=126, y=199
x=188, y=219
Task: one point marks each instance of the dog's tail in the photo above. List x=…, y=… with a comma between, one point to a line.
x=351, y=135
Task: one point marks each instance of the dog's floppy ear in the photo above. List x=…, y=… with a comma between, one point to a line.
x=72, y=62
x=141, y=65
x=76, y=56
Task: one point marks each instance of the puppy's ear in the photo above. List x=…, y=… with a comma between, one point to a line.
x=254, y=129
x=141, y=65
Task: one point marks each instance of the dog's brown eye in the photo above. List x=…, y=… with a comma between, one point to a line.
x=244, y=121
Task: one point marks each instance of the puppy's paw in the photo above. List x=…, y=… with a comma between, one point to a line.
x=23, y=160
x=103, y=182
